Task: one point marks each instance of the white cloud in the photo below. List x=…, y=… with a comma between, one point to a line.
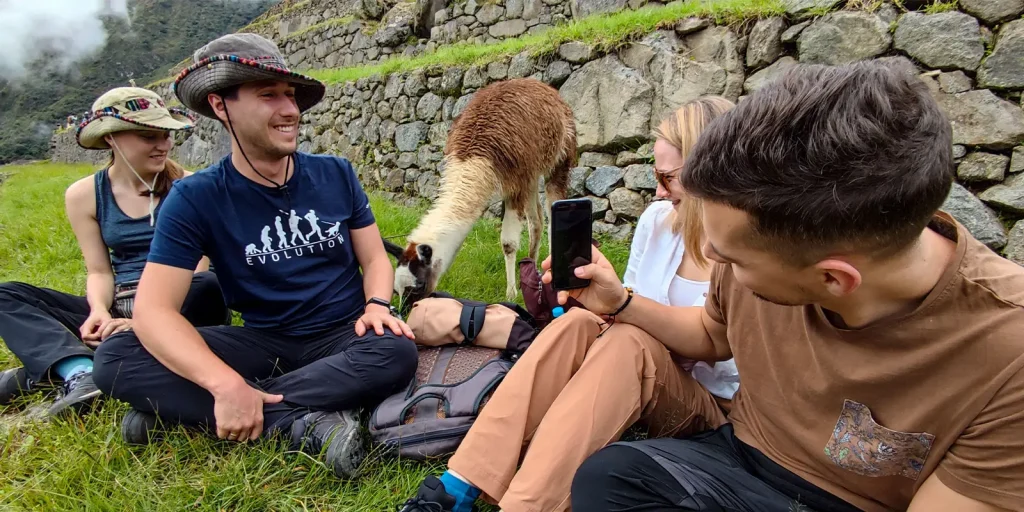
x=69, y=30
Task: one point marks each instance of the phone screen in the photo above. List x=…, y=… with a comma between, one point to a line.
x=570, y=242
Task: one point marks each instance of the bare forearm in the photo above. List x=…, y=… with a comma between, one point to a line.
x=177, y=345
x=99, y=291
x=680, y=329
x=378, y=278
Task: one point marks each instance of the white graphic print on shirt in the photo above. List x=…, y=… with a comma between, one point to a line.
x=298, y=244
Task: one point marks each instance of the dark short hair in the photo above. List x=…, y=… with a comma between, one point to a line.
x=854, y=158
x=227, y=93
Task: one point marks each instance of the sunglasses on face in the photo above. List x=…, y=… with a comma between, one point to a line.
x=665, y=178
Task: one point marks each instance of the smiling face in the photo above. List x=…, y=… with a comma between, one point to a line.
x=145, y=150
x=668, y=163
x=265, y=116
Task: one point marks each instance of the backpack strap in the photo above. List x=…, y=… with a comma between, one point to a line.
x=429, y=409
x=472, y=319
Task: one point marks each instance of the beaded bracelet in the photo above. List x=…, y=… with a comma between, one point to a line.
x=629, y=298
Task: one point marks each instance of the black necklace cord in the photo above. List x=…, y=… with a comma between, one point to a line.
x=282, y=187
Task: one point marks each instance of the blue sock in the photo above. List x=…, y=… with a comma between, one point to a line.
x=70, y=366
x=463, y=493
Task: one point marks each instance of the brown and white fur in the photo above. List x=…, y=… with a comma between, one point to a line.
x=510, y=135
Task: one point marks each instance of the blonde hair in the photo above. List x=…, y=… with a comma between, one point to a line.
x=680, y=130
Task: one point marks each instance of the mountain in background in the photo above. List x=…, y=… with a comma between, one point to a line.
x=160, y=33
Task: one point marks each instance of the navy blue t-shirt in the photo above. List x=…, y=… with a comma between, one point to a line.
x=283, y=257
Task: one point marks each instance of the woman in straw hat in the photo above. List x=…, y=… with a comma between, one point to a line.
x=113, y=214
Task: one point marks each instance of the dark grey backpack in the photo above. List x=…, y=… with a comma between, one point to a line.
x=466, y=348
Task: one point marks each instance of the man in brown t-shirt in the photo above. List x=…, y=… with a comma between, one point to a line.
x=879, y=345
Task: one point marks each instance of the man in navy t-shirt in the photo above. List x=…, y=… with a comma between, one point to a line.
x=298, y=254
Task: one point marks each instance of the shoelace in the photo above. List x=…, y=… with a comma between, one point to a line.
x=311, y=438
x=434, y=506
x=72, y=383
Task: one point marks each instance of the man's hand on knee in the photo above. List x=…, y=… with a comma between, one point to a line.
x=238, y=410
x=377, y=318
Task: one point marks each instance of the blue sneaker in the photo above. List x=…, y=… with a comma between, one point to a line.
x=431, y=497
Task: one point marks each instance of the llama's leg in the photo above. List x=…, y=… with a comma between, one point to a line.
x=511, y=232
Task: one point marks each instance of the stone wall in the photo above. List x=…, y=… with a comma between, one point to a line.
x=394, y=127
x=317, y=34
x=347, y=41
x=64, y=148
x=353, y=32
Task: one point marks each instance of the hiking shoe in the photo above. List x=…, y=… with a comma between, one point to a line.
x=339, y=435
x=79, y=392
x=13, y=383
x=138, y=427
x=431, y=497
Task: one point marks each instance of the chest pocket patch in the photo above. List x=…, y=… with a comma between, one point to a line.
x=861, y=445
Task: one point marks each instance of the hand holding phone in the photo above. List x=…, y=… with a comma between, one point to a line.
x=605, y=293
x=571, y=235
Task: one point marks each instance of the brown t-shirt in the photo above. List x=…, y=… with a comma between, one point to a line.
x=868, y=414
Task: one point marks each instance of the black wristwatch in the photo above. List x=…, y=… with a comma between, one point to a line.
x=379, y=302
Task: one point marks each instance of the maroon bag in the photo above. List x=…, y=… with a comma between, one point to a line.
x=541, y=299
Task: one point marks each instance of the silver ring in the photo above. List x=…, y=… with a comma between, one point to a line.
x=232, y=436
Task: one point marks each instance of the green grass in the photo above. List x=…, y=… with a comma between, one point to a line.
x=270, y=16
x=605, y=32
x=323, y=25
x=940, y=7
x=82, y=464
x=162, y=81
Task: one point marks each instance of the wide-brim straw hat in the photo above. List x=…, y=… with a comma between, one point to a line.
x=128, y=108
x=236, y=59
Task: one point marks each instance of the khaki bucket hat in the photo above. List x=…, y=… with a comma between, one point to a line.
x=128, y=108
x=235, y=59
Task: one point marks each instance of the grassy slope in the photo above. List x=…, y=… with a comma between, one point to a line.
x=603, y=31
x=82, y=464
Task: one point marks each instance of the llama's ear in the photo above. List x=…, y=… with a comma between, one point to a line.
x=392, y=248
x=424, y=252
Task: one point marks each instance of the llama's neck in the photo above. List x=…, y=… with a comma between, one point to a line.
x=465, y=189
x=445, y=240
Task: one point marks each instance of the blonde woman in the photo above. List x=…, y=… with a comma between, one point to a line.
x=577, y=389
x=112, y=213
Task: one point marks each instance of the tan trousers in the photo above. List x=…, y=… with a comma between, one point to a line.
x=570, y=395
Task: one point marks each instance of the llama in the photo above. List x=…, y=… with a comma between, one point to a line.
x=510, y=135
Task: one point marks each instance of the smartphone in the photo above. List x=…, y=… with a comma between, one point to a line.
x=571, y=236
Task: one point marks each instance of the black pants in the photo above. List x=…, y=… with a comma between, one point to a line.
x=41, y=326
x=713, y=471
x=331, y=371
